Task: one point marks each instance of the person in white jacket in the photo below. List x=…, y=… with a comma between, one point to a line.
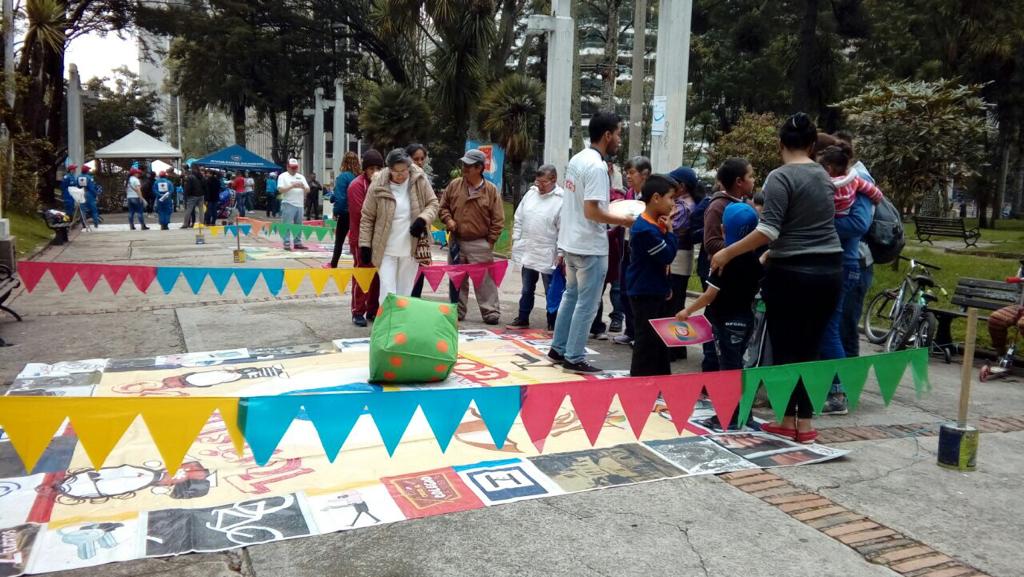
x=535, y=240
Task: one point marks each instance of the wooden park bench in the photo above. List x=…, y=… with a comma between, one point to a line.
x=929, y=226
x=984, y=295
x=8, y=282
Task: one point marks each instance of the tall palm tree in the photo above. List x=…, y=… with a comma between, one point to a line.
x=394, y=116
x=510, y=114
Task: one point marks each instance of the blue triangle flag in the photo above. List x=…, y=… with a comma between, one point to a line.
x=246, y=229
x=167, y=276
x=334, y=415
x=444, y=409
x=221, y=277
x=392, y=413
x=246, y=278
x=266, y=421
x=498, y=408
x=274, y=279
x=195, y=278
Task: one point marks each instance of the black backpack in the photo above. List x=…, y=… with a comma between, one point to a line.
x=885, y=236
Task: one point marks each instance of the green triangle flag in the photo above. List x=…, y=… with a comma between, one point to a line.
x=853, y=373
x=779, y=382
x=919, y=368
x=307, y=231
x=273, y=228
x=751, y=382
x=889, y=369
x=817, y=378
x=321, y=233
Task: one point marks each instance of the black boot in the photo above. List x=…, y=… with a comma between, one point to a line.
x=132, y=225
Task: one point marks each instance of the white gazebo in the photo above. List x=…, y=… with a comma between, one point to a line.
x=138, y=144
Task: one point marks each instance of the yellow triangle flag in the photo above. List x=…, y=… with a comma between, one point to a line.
x=100, y=423
x=319, y=277
x=216, y=230
x=364, y=277
x=229, y=414
x=342, y=278
x=293, y=278
x=30, y=423
x=174, y=423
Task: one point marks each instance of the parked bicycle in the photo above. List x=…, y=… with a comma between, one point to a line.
x=899, y=318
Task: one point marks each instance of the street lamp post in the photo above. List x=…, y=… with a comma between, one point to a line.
x=668, y=116
x=561, y=44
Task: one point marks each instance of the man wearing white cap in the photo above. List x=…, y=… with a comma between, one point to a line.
x=292, y=189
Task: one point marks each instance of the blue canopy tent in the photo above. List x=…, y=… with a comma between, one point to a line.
x=236, y=157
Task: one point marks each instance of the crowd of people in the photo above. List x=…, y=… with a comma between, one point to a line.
x=797, y=245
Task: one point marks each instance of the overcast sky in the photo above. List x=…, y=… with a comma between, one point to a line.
x=97, y=56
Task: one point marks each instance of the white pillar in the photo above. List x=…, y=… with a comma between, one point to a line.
x=340, y=139
x=561, y=44
x=636, y=96
x=671, y=72
x=318, y=133
x=76, y=144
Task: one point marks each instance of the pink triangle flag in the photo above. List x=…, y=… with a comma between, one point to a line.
x=592, y=399
x=142, y=276
x=478, y=274
x=637, y=400
x=63, y=272
x=540, y=406
x=498, y=270
x=680, y=393
x=115, y=276
x=724, y=390
x=457, y=277
x=30, y=272
x=434, y=276
x=90, y=275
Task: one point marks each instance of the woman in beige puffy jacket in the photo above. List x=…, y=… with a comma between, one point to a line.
x=397, y=212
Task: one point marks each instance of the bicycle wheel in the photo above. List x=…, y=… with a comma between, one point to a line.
x=877, y=319
x=926, y=329
x=904, y=329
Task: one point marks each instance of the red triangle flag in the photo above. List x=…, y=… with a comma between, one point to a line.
x=498, y=270
x=63, y=272
x=434, y=276
x=115, y=276
x=680, y=393
x=478, y=274
x=30, y=272
x=90, y=275
x=142, y=276
x=637, y=400
x=457, y=277
x=540, y=406
x=724, y=390
x=592, y=399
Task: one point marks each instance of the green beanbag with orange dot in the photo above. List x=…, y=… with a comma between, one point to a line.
x=413, y=341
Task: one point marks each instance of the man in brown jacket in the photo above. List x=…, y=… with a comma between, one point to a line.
x=472, y=211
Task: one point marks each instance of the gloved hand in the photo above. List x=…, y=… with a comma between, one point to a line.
x=365, y=255
x=418, y=227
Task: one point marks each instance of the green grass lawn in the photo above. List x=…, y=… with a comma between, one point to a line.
x=1007, y=239
x=30, y=231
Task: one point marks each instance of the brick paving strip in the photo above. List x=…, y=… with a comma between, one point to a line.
x=848, y=434
x=875, y=542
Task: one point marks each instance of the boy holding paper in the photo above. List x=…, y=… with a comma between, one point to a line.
x=730, y=293
x=652, y=249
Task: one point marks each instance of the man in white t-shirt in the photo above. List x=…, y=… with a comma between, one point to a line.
x=583, y=242
x=136, y=206
x=291, y=189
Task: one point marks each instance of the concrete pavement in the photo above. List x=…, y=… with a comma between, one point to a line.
x=700, y=526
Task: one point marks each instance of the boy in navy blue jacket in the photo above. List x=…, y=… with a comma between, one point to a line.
x=652, y=249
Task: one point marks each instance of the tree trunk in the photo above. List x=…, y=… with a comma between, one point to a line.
x=1018, y=178
x=1004, y=169
x=506, y=37
x=802, y=88
x=611, y=56
x=636, y=96
x=517, y=184
x=238, y=123
x=575, y=114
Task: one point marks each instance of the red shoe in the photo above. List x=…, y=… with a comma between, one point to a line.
x=806, y=437
x=779, y=431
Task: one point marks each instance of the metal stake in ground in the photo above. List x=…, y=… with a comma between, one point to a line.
x=958, y=442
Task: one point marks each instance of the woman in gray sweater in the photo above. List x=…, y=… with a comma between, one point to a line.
x=803, y=275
